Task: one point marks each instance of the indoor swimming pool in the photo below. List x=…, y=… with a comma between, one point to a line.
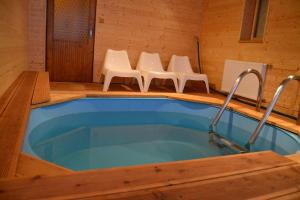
x=93, y=133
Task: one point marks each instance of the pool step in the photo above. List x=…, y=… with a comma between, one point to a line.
x=221, y=142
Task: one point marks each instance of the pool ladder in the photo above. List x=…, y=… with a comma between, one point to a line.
x=262, y=122
x=214, y=138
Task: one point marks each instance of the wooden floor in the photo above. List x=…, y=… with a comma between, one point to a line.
x=262, y=175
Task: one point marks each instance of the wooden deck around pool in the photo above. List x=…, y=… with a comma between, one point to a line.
x=244, y=176
x=261, y=175
x=14, y=115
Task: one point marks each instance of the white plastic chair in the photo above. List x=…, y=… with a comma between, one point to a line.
x=182, y=67
x=116, y=63
x=150, y=67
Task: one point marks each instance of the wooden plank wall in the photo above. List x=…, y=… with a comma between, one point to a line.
x=134, y=25
x=37, y=34
x=220, y=32
x=13, y=41
x=163, y=26
x=169, y=26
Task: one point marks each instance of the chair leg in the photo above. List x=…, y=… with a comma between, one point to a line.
x=206, y=84
x=182, y=82
x=147, y=83
x=140, y=82
x=107, y=81
x=176, y=85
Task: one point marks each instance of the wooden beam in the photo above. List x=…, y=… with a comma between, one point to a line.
x=9, y=93
x=251, y=185
x=136, y=178
x=42, y=89
x=30, y=166
x=13, y=122
x=292, y=193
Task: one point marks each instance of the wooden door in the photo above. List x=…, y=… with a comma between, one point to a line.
x=70, y=40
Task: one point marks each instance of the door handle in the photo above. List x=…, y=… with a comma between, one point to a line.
x=91, y=33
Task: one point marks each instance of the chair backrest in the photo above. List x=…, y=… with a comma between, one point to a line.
x=117, y=60
x=150, y=62
x=180, y=64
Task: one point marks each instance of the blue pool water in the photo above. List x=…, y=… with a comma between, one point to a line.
x=109, y=132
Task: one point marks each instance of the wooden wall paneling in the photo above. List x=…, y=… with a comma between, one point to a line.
x=219, y=38
x=142, y=26
x=37, y=34
x=170, y=28
x=156, y=26
x=13, y=41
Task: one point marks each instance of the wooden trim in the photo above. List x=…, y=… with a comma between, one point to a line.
x=248, y=19
x=135, y=179
x=254, y=40
x=239, y=186
x=292, y=193
x=262, y=39
x=13, y=122
x=42, y=89
x=49, y=34
x=255, y=19
x=58, y=100
x=30, y=166
x=92, y=26
x=9, y=93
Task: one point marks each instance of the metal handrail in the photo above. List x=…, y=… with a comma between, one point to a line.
x=233, y=90
x=262, y=122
